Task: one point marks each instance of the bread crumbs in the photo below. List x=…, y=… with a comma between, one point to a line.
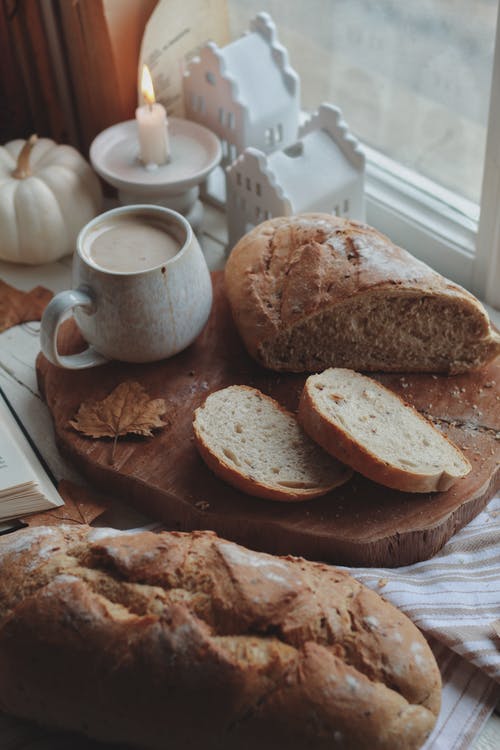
x=202, y=505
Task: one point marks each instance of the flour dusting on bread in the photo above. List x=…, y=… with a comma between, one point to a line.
x=127, y=647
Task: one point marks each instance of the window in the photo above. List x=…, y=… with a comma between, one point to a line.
x=268, y=136
x=210, y=78
x=232, y=152
x=412, y=78
x=413, y=81
x=295, y=150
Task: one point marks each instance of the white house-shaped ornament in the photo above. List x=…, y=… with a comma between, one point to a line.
x=246, y=92
x=322, y=171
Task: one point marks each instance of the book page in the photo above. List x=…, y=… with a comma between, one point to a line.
x=173, y=35
x=20, y=468
x=14, y=467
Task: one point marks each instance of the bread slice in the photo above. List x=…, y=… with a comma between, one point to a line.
x=251, y=442
x=370, y=428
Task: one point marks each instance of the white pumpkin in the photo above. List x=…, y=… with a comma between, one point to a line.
x=47, y=194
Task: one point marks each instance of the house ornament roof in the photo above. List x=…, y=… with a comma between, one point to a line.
x=329, y=118
x=261, y=164
x=232, y=61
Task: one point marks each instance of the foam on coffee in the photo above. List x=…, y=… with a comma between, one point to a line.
x=127, y=244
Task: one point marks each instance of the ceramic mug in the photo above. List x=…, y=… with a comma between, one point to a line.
x=140, y=314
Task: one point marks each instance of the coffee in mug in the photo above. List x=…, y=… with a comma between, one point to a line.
x=142, y=289
x=126, y=244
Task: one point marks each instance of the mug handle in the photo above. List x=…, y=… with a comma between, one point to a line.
x=55, y=313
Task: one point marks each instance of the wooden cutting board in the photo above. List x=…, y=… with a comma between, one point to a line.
x=360, y=523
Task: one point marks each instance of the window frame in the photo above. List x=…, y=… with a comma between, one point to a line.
x=434, y=224
x=457, y=237
x=487, y=257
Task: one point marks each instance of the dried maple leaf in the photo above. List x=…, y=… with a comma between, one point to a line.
x=127, y=410
x=81, y=506
x=19, y=307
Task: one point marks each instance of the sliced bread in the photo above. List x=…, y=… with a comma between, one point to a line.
x=251, y=442
x=370, y=428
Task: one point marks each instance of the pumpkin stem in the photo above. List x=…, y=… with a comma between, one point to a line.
x=22, y=169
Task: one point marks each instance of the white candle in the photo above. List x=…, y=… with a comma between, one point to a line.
x=152, y=125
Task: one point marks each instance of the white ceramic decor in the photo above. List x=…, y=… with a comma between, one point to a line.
x=246, y=92
x=194, y=152
x=322, y=171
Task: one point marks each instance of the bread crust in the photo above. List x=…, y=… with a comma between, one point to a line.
x=345, y=448
x=250, y=484
x=182, y=640
x=289, y=270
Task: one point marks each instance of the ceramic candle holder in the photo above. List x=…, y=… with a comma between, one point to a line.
x=194, y=152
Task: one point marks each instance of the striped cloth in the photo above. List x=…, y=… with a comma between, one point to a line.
x=468, y=699
x=455, y=596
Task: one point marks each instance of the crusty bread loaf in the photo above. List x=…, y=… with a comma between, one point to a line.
x=317, y=291
x=370, y=428
x=250, y=441
x=178, y=640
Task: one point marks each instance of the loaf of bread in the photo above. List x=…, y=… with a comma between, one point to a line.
x=253, y=443
x=317, y=291
x=371, y=429
x=178, y=640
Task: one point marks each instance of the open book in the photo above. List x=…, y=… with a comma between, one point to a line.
x=24, y=485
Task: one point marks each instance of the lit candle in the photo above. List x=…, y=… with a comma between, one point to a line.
x=152, y=124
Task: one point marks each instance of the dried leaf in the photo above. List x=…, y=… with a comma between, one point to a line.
x=81, y=506
x=19, y=307
x=127, y=410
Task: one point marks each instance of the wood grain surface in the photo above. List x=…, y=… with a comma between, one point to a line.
x=361, y=523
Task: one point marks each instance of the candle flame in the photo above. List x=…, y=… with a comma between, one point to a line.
x=147, y=89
